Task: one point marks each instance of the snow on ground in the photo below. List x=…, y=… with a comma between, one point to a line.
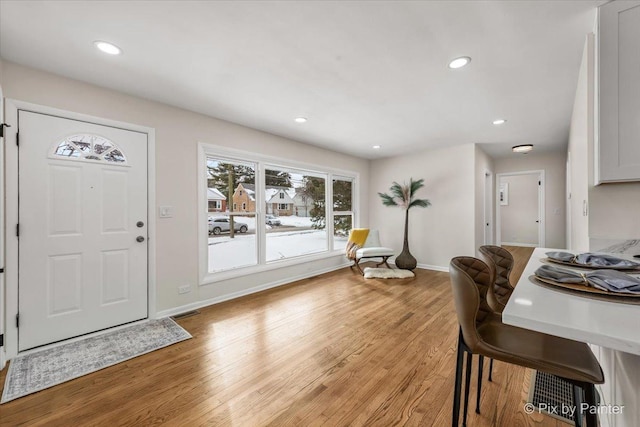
x=226, y=253
x=296, y=221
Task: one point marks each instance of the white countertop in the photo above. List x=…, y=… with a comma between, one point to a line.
x=607, y=324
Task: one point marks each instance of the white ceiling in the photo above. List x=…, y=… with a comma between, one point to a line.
x=364, y=73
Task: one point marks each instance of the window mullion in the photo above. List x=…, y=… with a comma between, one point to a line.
x=261, y=228
x=329, y=210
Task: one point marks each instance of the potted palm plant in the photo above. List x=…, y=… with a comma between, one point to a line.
x=403, y=196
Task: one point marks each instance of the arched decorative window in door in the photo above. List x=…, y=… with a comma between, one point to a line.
x=90, y=148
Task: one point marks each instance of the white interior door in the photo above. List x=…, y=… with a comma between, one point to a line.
x=82, y=228
x=520, y=209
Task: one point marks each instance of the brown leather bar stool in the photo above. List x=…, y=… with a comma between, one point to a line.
x=500, y=263
x=482, y=332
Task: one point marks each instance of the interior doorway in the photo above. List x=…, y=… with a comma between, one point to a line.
x=520, y=204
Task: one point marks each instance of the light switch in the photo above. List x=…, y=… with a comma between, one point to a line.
x=166, y=211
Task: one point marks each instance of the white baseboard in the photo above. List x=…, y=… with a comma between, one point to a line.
x=434, y=267
x=222, y=298
x=524, y=245
x=3, y=359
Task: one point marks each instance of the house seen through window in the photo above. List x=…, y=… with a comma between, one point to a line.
x=291, y=205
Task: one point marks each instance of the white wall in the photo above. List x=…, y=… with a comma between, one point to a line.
x=580, y=151
x=177, y=134
x=614, y=211
x=554, y=165
x=443, y=230
x=483, y=164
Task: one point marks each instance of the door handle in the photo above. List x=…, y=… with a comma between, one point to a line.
x=139, y=239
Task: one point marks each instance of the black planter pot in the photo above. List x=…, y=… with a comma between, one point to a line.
x=405, y=260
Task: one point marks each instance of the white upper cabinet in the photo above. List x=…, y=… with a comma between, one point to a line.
x=618, y=141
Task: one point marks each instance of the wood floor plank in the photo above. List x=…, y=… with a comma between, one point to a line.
x=333, y=350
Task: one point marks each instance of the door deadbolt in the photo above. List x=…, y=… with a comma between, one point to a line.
x=139, y=224
x=139, y=239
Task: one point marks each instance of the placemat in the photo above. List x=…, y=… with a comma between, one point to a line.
x=586, y=291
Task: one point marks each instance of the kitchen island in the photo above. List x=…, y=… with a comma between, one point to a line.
x=612, y=329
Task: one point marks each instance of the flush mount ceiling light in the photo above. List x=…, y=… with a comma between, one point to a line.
x=499, y=122
x=300, y=119
x=377, y=147
x=524, y=148
x=459, y=62
x=107, y=47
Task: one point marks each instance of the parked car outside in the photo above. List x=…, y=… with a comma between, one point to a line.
x=272, y=220
x=220, y=224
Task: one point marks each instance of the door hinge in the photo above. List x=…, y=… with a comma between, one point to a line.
x=2, y=126
x=18, y=320
x=17, y=230
x=1, y=270
x=1, y=340
x=18, y=139
x=539, y=182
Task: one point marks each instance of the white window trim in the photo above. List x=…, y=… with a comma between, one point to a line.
x=210, y=150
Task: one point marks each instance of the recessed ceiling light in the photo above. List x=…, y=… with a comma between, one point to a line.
x=376, y=147
x=499, y=122
x=524, y=148
x=107, y=47
x=301, y=119
x=459, y=62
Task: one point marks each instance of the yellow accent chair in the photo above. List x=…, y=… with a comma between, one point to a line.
x=365, y=243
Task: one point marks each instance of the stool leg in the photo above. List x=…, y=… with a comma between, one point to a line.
x=467, y=383
x=590, y=398
x=458, y=384
x=480, y=366
x=577, y=402
x=490, y=369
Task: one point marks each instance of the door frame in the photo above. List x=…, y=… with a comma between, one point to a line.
x=488, y=208
x=12, y=107
x=542, y=224
x=2, y=218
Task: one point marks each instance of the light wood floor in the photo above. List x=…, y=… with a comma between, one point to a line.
x=335, y=350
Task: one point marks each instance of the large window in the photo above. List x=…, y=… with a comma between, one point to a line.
x=270, y=213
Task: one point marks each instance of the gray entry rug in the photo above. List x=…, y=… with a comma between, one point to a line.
x=43, y=369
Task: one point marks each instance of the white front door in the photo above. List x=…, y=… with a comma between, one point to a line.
x=82, y=228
